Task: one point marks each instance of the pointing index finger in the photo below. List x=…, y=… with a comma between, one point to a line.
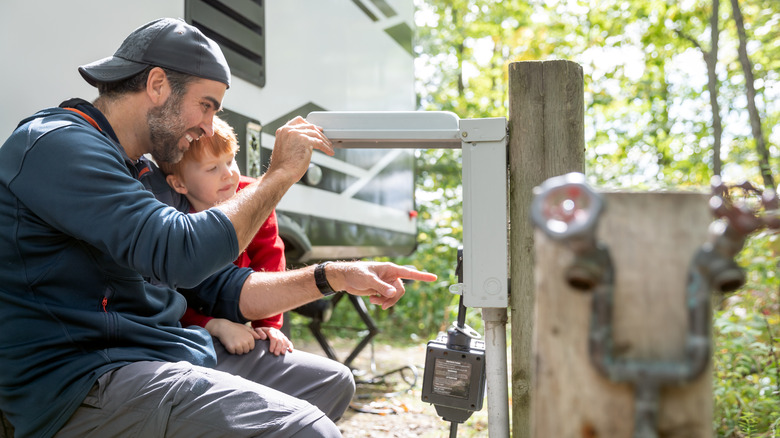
x=414, y=274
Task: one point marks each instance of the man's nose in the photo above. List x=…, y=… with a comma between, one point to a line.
x=207, y=127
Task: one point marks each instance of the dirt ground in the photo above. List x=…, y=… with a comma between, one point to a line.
x=390, y=405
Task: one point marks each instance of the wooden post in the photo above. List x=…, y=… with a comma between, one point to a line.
x=652, y=238
x=546, y=138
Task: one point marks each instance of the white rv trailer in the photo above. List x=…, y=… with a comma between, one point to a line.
x=288, y=57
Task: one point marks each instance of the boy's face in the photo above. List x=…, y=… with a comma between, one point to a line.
x=207, y=182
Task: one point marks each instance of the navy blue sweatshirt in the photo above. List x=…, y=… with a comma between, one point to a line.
x=86, y=252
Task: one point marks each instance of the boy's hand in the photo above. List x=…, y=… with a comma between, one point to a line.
x=279, y=344
x=237, y=338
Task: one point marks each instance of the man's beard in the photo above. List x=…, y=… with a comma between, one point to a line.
x=166, y=130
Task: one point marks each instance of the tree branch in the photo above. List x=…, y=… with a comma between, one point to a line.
x=755, y=119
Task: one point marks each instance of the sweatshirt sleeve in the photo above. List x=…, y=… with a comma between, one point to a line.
x=218, y=295
x=266, y=250
x=90, y=194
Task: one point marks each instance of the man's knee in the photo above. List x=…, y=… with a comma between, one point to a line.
x=346, y=381
x=340, y=391
x=322, y=428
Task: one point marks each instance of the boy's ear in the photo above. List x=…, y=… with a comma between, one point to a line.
x=176, y=184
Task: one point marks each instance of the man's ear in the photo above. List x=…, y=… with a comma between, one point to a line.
x=157, y=87
x=176, y=184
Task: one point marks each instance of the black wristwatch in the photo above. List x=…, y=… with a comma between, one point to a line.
x=322, y=280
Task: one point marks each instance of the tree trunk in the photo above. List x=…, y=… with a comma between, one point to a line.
x=755, y=119
x=711, y=59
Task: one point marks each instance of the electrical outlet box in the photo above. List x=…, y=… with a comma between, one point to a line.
x=454, y=378
x=485, y=270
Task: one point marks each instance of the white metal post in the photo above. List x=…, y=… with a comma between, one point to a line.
x=497, y=380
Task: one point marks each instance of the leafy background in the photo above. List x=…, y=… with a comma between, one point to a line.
x=655, y=118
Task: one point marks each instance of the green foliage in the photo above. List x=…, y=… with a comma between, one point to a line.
x=747, y=364
x=648, y=118
x=747, y=347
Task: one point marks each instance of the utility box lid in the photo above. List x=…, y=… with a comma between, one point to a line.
x=389, y=129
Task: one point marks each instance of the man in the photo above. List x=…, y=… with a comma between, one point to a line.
x=90, y=343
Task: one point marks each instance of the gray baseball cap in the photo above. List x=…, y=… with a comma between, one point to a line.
x=165, y=42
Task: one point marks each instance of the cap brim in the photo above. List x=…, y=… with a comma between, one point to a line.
x=110, y=69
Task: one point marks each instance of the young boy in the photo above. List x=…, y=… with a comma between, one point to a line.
x=208, y=174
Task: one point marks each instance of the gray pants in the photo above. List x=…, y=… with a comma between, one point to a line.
x=293, y=395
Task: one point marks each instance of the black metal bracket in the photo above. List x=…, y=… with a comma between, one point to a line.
x=315, y=326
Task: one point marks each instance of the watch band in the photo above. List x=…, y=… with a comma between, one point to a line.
x=322, y=280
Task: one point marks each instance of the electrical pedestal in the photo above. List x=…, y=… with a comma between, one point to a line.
x=455, y=364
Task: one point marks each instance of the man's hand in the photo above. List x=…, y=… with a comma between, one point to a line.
x=269, y=293
x=293, y=147
x=249, y=208
x=381, y=282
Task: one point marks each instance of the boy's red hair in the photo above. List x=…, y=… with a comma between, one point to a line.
x=223, y=141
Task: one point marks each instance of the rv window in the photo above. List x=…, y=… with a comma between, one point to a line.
x=238, y=27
